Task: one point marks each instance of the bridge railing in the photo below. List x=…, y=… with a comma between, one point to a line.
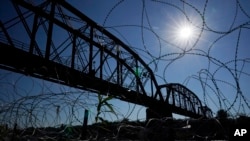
x=67, y=62
x=18, y=44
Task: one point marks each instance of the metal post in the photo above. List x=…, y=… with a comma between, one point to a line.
x=50, y=31
x=101, y=61
x=73, y=52
x=33, y=34
x=91, y=71
x=119, y=75
x=85, y=123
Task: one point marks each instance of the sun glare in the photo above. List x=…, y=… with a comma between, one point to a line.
x=182, y=33
x=185, y=32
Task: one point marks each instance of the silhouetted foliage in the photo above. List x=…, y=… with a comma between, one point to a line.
x=222, y=114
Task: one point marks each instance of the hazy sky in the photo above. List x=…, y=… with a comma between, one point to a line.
x=203, y=45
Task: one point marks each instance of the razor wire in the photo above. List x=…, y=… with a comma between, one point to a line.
x=61, y=107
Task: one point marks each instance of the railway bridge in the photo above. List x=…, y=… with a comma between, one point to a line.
x=62, y=45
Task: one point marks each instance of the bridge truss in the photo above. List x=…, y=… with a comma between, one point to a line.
x=62, y=45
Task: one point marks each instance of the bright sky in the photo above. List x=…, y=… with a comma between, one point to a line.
x=202, y=45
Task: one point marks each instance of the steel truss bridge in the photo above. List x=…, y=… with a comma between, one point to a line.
x=66, y=47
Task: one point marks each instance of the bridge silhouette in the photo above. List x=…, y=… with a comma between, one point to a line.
x=66, y=47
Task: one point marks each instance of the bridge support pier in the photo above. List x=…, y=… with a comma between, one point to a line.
x=158, y=113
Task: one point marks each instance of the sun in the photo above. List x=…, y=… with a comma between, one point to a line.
x=185, y=32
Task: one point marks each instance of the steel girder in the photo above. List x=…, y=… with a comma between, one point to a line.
x=181, y=97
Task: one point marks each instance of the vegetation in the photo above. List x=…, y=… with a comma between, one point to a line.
x=160, y=129
x=103, y=102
